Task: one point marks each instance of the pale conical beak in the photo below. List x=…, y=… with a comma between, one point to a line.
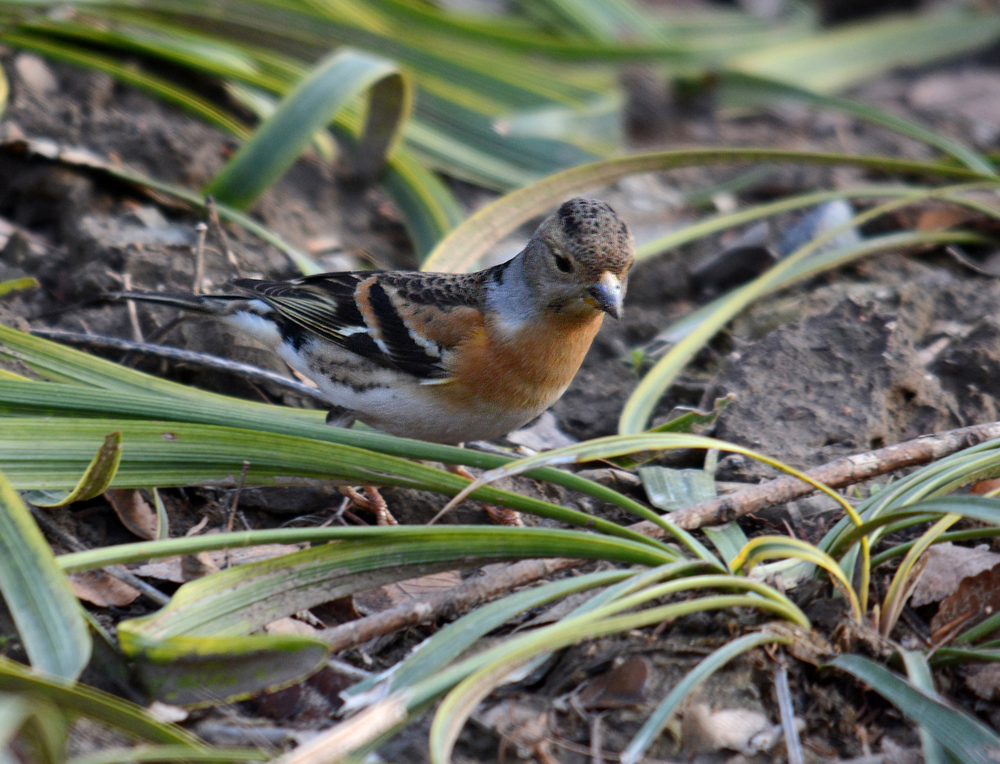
x=607, y=294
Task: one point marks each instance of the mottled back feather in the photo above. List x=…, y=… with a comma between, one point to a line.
x=365, y=311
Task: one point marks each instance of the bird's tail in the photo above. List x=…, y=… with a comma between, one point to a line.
x=216, y=304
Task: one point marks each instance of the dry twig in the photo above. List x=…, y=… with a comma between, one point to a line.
x=837, y=474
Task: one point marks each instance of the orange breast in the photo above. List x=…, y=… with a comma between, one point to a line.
x=527, y=371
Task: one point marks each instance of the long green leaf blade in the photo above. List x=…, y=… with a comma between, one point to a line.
x=45, y=611
x=481, y=231
x=645, y=737
x=967, y=738
x=277, y=143
x=95, y=704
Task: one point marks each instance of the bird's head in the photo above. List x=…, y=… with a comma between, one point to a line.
x=580, y=258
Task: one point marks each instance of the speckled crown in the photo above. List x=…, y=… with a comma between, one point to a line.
x=599, y=239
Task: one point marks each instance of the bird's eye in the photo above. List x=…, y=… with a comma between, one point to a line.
x=562, y=263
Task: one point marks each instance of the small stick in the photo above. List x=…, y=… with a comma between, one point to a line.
x=836, y=474
x=187, y=356
x=199, y=257
x=448, y=603
x=792, y=742
x=236, y=503
x=220, y=232
x=597, y=739
x=133, y=312
x=236, y=498
x=116, y=571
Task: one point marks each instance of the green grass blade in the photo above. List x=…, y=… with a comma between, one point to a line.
x=903, y=580
x=968, y=739
x=439, y=650
x=95, y=481
x=47, y=615
x=141, y=754
x=94, y=704
x=762, y=548
x=328, y=88
x=605, y=21
x=919, y=674
x=4, y=91
x=204, y=671
x=651, y=730
x=820, y=263
x=50, y=454
x=855, y=52
x=144, y=396
x=61, y=50
x=717, y=223
x=429, y=209
x=16, y=285
x=481, y=231
x=243, y=598
x=614, y=446
x=460, y=702
x=741, y=88
x=633, y=550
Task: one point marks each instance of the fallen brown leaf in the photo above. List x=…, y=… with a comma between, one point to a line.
x=622, y=686
x=984, y=680
x=947, y=566
x=134, y=512
x=99, y=588
x=171, y=568
x=976, y=598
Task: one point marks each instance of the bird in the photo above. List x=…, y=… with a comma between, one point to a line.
x=442, y=357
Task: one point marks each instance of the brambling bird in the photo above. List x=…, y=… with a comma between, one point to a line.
x=437, y=356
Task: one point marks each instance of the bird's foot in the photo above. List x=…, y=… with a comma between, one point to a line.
x=371, y=500
x=499, y=515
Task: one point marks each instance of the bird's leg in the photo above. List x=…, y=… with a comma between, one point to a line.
x=372, y=501
x=499, y=515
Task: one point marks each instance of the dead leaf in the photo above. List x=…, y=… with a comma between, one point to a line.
x=940, y=218
x=947, y=565
x=622, y=686
x=166, y=713
x=806, y=645
x=543, y=434
x=171, y=568
x=35, y=73
x=134, y=512
x=195, y=566
x=391, y=595
x=101, y=589
x=734, y=729
x=984, y=486
x=338, y=611
x=984, y=680
x=976, y=598
x=290, y=626
x=521, y=725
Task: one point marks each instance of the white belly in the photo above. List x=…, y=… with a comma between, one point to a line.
x=395, y=402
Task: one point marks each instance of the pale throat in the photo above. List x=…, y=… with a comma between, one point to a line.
x=511, y=305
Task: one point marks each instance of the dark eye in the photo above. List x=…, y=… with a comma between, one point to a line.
x=562, y=263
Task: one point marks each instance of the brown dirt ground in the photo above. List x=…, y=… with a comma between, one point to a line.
x=836, y=366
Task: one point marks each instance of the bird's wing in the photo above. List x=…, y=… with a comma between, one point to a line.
x=400, y=320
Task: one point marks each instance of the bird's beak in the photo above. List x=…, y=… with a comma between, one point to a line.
x=607, y=294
